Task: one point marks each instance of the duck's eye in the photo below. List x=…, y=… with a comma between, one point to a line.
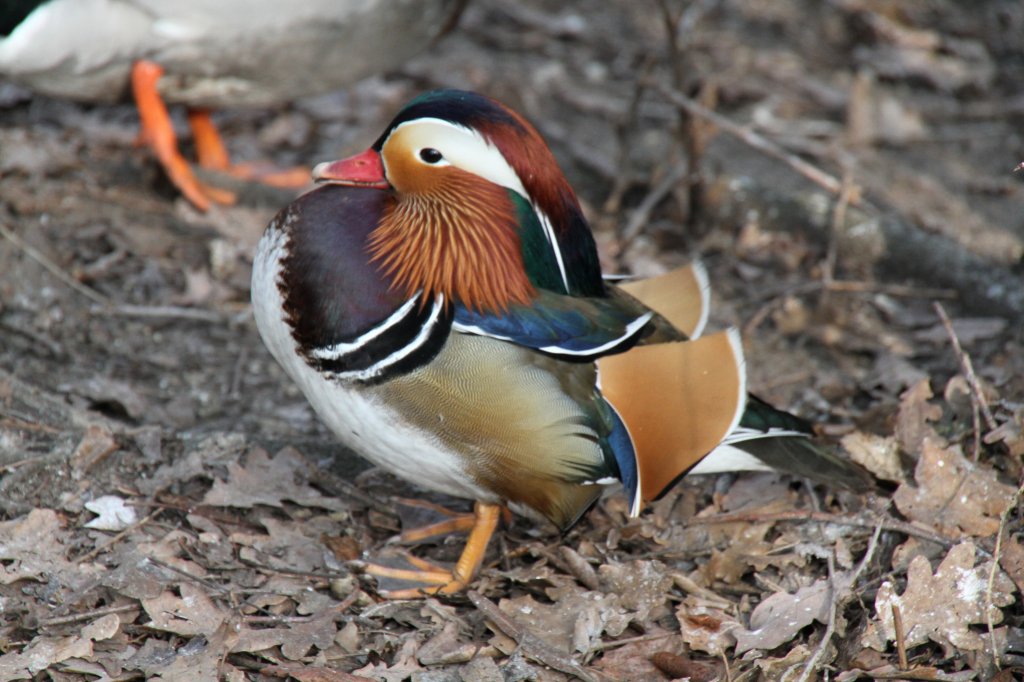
x=430, y=155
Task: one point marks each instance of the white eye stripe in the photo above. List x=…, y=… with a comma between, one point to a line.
x=463, y=148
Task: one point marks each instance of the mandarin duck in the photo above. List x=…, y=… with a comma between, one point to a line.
x=203, y=54
x=440, y=303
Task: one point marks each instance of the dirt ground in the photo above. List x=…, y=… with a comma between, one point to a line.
x=172, y=509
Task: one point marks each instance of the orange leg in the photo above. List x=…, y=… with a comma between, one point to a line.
x=158, y=133
x=451, y=522
x=438, y=580
x=214, y=155
x=209, y=146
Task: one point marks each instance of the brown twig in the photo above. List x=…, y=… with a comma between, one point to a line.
x=828, y=270
x=990, y=585
x=966, y=367
x=691, y=136
x=185, y=574
x=642, y=213
x=839, y=599
x=117, y=538
x=762, y=144
x=774, y=295
x=54, y=269
x=901, y=644
x=802, y=516
x=164, y=311
x=531, y=646
x=88, y=615
x=340, y=607
x=108, y=306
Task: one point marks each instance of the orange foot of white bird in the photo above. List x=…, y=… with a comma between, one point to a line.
x=403, y=576
x=158, y=133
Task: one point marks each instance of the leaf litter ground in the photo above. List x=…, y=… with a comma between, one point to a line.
x=172, y=509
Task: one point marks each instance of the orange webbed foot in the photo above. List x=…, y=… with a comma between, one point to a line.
x=403, y=576
x=158, y=133
x=213, y=155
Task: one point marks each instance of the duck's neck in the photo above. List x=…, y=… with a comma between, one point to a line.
x=461, y=242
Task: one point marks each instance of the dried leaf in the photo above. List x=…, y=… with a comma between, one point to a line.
x=31, y=546
x=1011, y=560
x=642, y=586
x=287, y=545
x=44, y=652
x=914, y=414
x=574, y=622
x=202, y=658
x=942, y=606
x=632, y=661
x=706, y=628
x=784, y=668
x=917, y=672
x=192, y=613
x=953, y=495
x=879, y=455
x=404, y=665
x=262, y=480
x=779, y=618
x=98, y=442
x=114, y=514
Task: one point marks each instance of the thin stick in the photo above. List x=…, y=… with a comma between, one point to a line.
x=89, y=615
x=901, y=645
x=531, y=645
x=167, y=311
x=108, y=306
x=117, y=538
x=54, y=269
x=839, y=599
x=828, y=270
x=989, y=605
x=641, y=214
x=762, y=144
x=966, y=367
x=803, y=516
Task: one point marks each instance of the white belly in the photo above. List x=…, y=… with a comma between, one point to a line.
x=357, y=417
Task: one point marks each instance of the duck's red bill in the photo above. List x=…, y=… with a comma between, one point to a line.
x=361, y=170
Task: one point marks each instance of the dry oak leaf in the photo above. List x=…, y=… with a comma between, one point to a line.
x=574, y=622
x=30, y=546
x=44, y=652
x=193, y=613
x=912, y=419
x=940, y=607
x=779, y=618
x=878, y=454
x=706, y=628
x=953, y=495
x=262, y=480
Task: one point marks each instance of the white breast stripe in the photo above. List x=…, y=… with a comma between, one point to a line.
x=339, y=350
x=469, y=329
x=631, y=329
x=376, y=369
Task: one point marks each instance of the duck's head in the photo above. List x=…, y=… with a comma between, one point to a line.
x=467, y=161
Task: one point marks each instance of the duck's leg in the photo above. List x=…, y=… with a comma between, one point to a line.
x=213, y=155
x=158, y=133
x=440, y=521
x=429, y=578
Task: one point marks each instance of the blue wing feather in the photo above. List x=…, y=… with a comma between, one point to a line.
x=571, y=326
